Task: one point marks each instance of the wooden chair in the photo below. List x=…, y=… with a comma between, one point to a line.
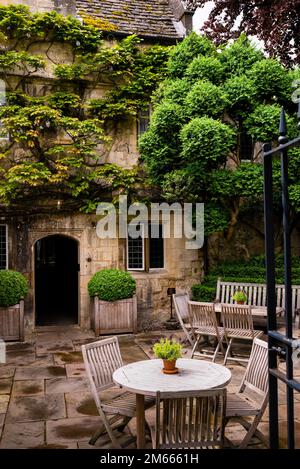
x=252, y=398
x=204, y=323
x=101, y=359
x=238, y=324
x=180, y=301
x=189, y=419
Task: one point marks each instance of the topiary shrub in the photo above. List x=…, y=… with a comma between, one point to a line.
x=13, y=287
x=112, y=285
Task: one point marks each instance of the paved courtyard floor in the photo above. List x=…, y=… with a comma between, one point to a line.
x=45, y=400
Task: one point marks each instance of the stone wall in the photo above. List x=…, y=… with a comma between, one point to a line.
x=182, y=267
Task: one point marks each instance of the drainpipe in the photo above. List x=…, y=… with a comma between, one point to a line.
x=182, y=14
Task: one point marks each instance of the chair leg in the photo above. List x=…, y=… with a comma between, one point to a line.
x=196, y=345
x=227, y=351
x=252, y=431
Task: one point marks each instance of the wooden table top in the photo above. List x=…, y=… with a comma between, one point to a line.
x=146, y=377
x=255, y=310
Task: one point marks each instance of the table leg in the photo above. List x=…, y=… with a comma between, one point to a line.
x=140, y=421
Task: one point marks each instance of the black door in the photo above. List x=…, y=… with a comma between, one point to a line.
x=56, y=281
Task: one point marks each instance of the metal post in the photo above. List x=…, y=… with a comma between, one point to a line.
x=272, y=323
x=287, y=280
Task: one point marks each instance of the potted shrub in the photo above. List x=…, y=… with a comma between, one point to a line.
x=240, y=297
x=169, y=351
x=114, y=302
x=13, y=289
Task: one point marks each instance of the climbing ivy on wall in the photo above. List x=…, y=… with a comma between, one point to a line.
x=59, y=139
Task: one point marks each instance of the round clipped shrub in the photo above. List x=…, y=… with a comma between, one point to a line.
x=13, y=287
x=112, y=285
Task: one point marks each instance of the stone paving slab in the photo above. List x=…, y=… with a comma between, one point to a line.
x=64, y=385
x=2, y=418
x=4, y=400
x=23, y=435
x=75, y=370
x=72, y=429
x=80, y=404
x=7, y=371
x=54, y=346
x=64, y=358
x=32, y=408
x=39, y=372
x=18, y=357
x=5, y=385
x=28, y=387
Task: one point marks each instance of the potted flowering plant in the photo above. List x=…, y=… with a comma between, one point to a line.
x=240, y=297
x=169, y=351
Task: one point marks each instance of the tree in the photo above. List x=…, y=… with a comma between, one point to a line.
x=59, y=140
x=203, y=111
x=276, y=23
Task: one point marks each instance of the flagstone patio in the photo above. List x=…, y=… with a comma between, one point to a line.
x=45, y=400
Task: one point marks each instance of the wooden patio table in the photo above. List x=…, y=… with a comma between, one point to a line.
x=259, y=313
x=145, y=378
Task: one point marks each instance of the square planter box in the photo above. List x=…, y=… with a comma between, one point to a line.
x=12, y=322
x=115, y=317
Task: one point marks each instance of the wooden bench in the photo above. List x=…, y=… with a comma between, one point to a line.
x=257, y=294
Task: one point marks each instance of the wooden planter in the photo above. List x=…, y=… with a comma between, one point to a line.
x=12, y=322
x=115, y=317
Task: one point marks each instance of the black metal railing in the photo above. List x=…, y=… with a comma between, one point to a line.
x=280, y=345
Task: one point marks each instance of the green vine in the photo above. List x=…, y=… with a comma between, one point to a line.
x=59, y=138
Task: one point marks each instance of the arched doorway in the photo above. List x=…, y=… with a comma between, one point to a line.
x=56, y=281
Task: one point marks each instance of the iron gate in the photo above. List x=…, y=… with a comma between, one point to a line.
x=280, y=345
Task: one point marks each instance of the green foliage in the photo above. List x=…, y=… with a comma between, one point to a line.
x=241, y=271
x=203, y=293
x=207, y=99
x=210, y=103
x=241, y=95
x=239, y=56
x=206, y=142
x=262, y=124
x=13, y=287
x=183, y=54
x=63, y=136
x=270, y=79
x=112, y=285
x=167, y=349
x=205, y=68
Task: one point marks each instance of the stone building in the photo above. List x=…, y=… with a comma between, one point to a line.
x=53, y=247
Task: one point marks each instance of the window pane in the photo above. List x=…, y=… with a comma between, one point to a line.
x=3, y=247
x=246, y=144
x=143, y=121
x=156, y=251
x=135, y=253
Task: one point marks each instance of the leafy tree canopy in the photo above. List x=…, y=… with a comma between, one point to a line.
x=276, y=23
x=59, y=138
x=211, y=101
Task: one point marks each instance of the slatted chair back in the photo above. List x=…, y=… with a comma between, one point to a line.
x=202, y=314
x=237, y=317
x=190, y=419
x=256, y=375
x=181, y=305
x=101, y=359
x=180, y=301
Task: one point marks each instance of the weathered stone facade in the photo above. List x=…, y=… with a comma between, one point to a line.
x=182, y=267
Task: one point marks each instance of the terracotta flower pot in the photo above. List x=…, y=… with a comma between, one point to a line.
x=169, y=366
x=240, y=302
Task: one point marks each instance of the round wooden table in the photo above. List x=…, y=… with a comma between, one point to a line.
x=145, y=378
